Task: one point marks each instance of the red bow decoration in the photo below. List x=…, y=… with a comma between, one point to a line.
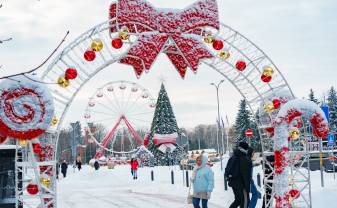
x=176, y=33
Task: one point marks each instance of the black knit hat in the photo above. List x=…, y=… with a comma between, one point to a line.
x=244, y=145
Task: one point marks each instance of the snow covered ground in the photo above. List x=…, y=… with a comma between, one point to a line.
x=115, y=188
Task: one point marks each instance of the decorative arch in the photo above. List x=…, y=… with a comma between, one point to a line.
x=239, y=61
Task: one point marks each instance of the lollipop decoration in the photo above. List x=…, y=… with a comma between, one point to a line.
x=26, y=108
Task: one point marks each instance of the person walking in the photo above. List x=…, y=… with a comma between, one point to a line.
x=238, y=174
x=134, y=167
x=64, y=167
x=203, y=182
x=96, y=165
x=57, y=170
x=79, y=164
x=255, y=193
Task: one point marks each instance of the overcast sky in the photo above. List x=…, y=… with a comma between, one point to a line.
x=300, y=36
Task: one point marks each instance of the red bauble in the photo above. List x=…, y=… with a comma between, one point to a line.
x=277, y=103
x=146, y=142
x=270, y=130
x=89, y=55
x=70, y=74
x=294, y=193
x=217, y=44
x=240, y=65
x=37, y=148
x=249, y=133
x=32, y=189
x=265, y=78
x=117, y=43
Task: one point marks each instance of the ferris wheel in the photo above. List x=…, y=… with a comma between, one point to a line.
x=118, y=115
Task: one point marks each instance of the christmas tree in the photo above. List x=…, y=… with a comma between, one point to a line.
x=244, y=121
x=164, y=123
x=332, y=103
x=312, y=97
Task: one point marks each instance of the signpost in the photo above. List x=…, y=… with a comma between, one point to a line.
x=249, y=134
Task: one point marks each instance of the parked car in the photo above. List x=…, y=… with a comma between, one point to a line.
x=187, y=164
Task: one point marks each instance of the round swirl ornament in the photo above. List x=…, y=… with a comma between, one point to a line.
x=26, y=108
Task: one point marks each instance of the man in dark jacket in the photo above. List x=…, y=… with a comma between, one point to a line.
x=64, y=167
x=238, y=171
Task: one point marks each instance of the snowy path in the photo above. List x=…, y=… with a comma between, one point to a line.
x=115, y=188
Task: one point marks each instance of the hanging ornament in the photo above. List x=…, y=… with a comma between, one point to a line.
x=89, y=55
x=152, y=104
x=70, y=73
x=265, y=78
x=240, y=65
x=294, y=133
x=224, y=54
x=124, y=34
x=32, y=189
x=122, y=86
x=208, y=39
x=268, y=71
x=270, y=131
x=294, y=193
x=276, y=103
x=96, y=45
x=37, y=148
x=217, y=44
x=91, y=103
x=87, y=116
x=63, y=82
x=134, y=89
x=45, y=180
x=23, y=143
x=268, y=108
x=99, y=94
x=145, y=95
x=54, y=121
x=117, y=43
x=110, y=88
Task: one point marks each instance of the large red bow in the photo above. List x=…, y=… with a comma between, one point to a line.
x=176, y=33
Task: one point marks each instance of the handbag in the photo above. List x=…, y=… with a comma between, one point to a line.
x=189, y=195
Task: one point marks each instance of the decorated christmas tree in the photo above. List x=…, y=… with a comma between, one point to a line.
x=164, y=132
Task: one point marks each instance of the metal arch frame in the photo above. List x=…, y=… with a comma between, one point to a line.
x=239, y=80
x=140, y=87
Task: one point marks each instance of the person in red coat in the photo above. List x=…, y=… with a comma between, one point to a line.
x=134, y=167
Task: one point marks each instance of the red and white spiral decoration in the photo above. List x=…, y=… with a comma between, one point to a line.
x=286, y=119
x=26, y=108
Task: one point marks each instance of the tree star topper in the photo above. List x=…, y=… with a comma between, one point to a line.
x=177, y=33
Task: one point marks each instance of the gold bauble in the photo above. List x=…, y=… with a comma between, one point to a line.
x=123, y=36
x=23, y=143
x=45, y=181
x=224, y=54
x=268, y=108
x=63, y=82
x=97, y=45
x=268, y=71
x=54, y=121
x=208, y=39
x=294, y=134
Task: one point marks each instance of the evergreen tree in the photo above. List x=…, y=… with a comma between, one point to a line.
x=243, y=122
x=332, y=103
x=164, y=122
x=312, y=97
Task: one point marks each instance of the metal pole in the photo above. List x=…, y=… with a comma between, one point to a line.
x=321, y=161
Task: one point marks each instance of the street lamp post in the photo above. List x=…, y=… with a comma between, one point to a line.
x=218, y=121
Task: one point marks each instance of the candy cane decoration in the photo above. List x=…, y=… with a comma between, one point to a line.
x=26, y=108
x=286, y=118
